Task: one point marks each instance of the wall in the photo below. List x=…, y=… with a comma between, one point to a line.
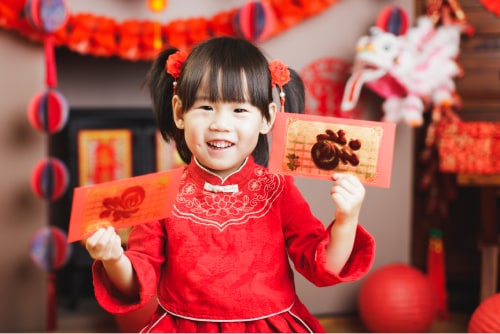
x=99, y=82
x=23, y=285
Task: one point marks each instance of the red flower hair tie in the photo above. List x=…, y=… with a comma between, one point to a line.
x=280, y=76
x=174, y=63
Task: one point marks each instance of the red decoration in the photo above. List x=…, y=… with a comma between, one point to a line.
x=157, y=6
x=393, y=19
x=469, y=147
x=280, y=75
x=49, y=179
x=48, y=111
x=255, y=20
x=49, y=248
x=491, y=5
x=47, y=16
x=437, y=273
x=324, y=80
x=486, y=317
x=132, y=39
x=397, y=298
x=50, y=251
x=174, y=63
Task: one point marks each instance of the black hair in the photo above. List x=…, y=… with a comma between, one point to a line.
x=225, y=61
x=295, y=93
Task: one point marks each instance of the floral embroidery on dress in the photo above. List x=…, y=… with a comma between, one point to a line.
x=221, y=209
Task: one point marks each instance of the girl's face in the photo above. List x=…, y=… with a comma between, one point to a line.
x=221, y=135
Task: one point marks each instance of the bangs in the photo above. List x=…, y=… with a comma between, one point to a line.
x=231, y=72
x=228, y=83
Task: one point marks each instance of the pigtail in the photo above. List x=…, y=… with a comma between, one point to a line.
x=161, y=90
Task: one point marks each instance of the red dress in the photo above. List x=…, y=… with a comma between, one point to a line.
x=221, y=262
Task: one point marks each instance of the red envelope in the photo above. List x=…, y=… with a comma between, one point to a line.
x=123, y=203
x=318, y=146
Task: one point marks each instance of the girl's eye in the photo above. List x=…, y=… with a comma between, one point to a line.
x=206, y=107
x=239, y=110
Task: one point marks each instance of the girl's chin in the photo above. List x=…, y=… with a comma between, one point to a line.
x=222, y=168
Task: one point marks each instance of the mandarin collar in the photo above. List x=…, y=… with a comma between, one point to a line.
x=202, y=175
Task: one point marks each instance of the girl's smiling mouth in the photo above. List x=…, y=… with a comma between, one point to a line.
x=219, y=145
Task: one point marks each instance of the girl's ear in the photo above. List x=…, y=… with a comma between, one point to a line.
x=268, y=125
x=178, y=114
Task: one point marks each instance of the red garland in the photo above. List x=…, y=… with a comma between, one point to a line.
x=134, y=40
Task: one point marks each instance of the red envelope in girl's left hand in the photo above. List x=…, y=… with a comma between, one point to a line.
x=317, y=147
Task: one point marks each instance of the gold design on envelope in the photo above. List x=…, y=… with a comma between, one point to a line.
x=343, y=147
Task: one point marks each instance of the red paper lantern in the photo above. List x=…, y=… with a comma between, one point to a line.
x=49, y=248
x=157, y=6
x=50, y=179
x=48, y=111
x=486, y=317
x=397, y=298
x=393, y=19
x=46, y=15
x=255, y=20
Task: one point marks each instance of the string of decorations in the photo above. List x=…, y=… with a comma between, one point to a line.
x=96, y=35
x=48, y=113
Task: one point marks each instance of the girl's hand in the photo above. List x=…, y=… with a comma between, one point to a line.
x=348, y=194
x=105, y=245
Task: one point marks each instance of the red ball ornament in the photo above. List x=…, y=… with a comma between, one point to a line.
x=49, y=248
x=397, y=298
x=393, y=19
x=486, y=317
x=48, y=111
x=255, y=20
x=50, y=179
x=46, y=15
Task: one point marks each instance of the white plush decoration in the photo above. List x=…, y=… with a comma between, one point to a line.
x=407, y=70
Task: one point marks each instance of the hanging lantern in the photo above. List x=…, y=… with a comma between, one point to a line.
x=47, y=16
x=48, y=111
x=49, y=248
x=157, y=6
x=255, y=20
x=50, y=179
x=393, y=19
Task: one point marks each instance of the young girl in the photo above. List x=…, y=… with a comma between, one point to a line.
x=220, y=263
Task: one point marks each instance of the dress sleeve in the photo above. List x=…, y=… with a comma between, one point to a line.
x=146, y=251
x=307, y=238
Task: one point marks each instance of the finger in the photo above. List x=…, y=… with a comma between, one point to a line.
x=94, y=238
x=347, y=180
x=108, y=236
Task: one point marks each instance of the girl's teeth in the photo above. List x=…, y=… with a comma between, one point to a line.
x=220, y=145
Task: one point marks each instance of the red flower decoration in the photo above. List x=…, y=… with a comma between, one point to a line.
x=175, y=62
x=280, y=73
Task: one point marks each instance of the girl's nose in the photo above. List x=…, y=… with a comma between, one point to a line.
x=220, y=122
